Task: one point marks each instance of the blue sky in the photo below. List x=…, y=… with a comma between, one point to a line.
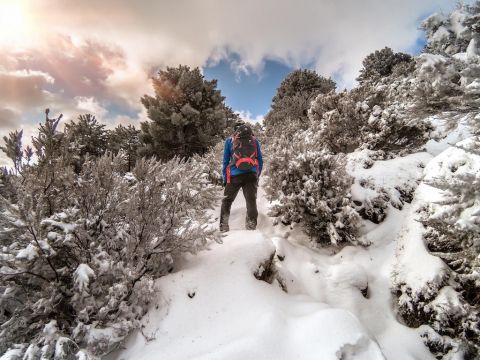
x=253, y=92
x=248, y=92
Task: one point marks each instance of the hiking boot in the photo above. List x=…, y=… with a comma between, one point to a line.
x=250, y=224
x=224, y=228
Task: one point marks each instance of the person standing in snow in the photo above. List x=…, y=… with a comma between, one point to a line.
x=242, y=166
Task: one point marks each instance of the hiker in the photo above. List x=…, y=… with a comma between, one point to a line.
x=242, y=166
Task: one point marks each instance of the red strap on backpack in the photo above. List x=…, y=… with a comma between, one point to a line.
x=228, y=174
x=256, y=155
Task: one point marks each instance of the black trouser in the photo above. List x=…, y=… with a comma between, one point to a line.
x=248, y=184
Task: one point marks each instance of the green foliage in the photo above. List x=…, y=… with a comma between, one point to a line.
x=86, y=136
x=381, y=63
x=310, y=186
x=125, y=140
x=303, y=81
x=188, y=114
x=290, y=105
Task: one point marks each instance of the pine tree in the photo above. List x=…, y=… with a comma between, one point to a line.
x=381, y=63
x=13, y=148
x=85, y=137
x=125, y=140
x=303, y=81
x=49, y=144
x=290, y=104
x=188, y=114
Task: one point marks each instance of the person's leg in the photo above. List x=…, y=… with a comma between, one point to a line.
x=229, y=195
x=249, y=187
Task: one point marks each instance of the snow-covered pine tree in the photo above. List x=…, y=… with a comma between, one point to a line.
x=85, y=137
x=291, y=102
x=310, y=186
x=453, y=234
x=448, y=70
x=453, y=33
x=381, y=63
x=13, y=148
x=446, y=79
x=188, y=114
x=49, y=144
x=125, y=140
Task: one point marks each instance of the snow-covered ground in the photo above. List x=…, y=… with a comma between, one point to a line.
x=338, y=303
x=215, y=308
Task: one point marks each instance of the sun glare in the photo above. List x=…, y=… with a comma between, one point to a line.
x=14, y=22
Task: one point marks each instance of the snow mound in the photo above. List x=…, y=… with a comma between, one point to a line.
x=419, y=273
x=384, y=184
x=415, y=267
x=215, y=308
x=449, y=130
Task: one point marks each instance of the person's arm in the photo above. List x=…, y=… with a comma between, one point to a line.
x=226, y=159
x=260, y=158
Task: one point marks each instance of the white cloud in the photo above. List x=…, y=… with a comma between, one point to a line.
x=98, y=55
x=8, y=119
x=23, y=88
x=90, y=105
x=333, y=35
x=247, y=116
x=128, y=120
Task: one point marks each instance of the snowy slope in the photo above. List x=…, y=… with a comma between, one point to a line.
x=214, y=308
x=338, y=303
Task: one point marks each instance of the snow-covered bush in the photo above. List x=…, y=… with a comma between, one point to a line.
x=374, y=207
x=290, y=104
x=211, y=163
x=453, y=33
x=310, y=186
x=339, y=120
x=364, y=117
x=453, y=234
x=381, y=63
x=80, y=251
x=451, y=231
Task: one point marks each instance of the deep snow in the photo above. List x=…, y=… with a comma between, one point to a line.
x=214, y=307
x=338, y=303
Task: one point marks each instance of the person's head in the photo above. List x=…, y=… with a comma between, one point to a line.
x=237, y=124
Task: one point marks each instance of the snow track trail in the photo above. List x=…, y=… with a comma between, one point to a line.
x=215, y=308
x=338, y=303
